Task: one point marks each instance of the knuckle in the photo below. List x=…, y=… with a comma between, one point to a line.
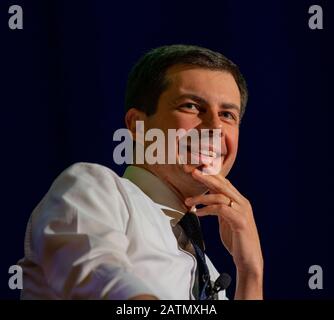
x=242, y=223
x=220, y=206
x=223, y=199
x=247, y=203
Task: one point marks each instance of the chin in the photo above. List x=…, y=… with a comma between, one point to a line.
x=194, y=189
x=191, y=186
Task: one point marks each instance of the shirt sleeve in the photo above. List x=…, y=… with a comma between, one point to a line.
x=78, y=236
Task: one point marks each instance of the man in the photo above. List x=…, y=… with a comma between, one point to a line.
x=98, y=236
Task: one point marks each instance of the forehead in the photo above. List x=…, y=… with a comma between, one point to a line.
x=210, y=84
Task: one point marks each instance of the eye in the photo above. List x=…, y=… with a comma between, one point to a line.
x=189, y=107
x=228, y=115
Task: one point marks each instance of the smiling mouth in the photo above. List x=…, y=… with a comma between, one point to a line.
x=206, y=152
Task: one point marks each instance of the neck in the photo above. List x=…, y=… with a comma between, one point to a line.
x=167, y=181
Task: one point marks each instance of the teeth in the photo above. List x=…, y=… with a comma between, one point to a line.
x=209, y=153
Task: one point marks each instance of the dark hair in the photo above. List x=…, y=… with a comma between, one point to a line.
x=147, y=80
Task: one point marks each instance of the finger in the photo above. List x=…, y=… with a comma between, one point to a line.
x=208, y=199
x=225, y=212
x=215, y=184
x=229, y=183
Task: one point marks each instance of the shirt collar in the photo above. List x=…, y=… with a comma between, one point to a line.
x=156, y=189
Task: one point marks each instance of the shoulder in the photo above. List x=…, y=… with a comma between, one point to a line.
x=86, y=170
x=86, y=175
x=84, y=190
x=88, y=186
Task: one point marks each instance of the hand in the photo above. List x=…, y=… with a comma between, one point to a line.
x=237, y=227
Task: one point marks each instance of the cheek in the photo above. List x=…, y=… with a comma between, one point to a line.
x=186, y=123
x=233, y=144
x=164, y=123
x=232, y=140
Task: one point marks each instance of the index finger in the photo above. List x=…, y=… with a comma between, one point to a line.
x=215, y=184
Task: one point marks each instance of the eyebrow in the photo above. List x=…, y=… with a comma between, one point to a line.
x=201, y=100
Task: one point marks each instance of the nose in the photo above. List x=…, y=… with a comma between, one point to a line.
x=211, y=120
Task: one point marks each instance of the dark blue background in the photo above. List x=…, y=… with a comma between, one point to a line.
x=61, y=99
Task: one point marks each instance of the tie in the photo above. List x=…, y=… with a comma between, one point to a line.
x=190, y=224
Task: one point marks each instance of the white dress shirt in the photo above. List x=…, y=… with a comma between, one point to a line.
x=96, y=235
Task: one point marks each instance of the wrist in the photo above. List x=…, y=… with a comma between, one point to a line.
x=250, y=268
x=249, y=284
x=250, y=275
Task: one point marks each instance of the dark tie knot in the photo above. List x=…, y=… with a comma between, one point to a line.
x=191, y=226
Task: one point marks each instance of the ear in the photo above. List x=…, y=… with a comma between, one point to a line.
x=132, y=116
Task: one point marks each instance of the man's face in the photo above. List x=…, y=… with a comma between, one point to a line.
x=197, y=98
